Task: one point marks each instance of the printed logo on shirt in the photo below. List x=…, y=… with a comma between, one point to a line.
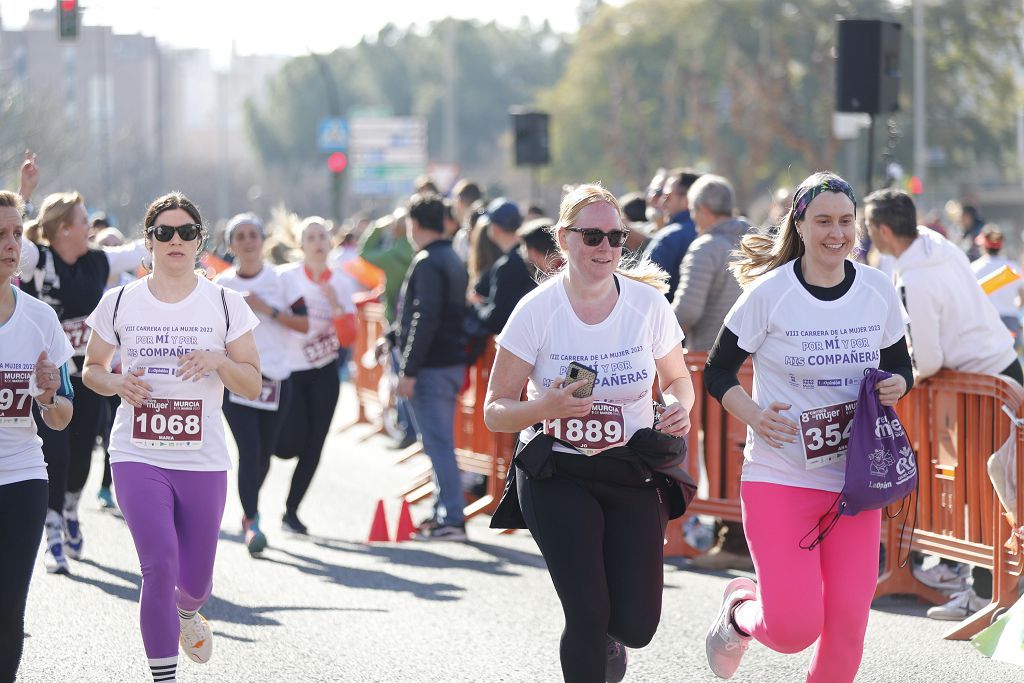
x=830, y=382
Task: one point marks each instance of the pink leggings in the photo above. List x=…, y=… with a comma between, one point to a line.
x=804, y=596
x=174, y=517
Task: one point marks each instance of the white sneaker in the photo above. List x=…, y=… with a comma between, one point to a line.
x=724, y=645
x=943, y=577
x=54, y=559
x=196, y=638
x=964, y=604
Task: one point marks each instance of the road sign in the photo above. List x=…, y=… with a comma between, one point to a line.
x=332, y=135
x=387, y=154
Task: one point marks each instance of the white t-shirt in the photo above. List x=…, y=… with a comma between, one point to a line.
x=319, y=346
x=811, y=354
x=271, y=336
x=180, y=427
x=31, y=329
x=545, y=332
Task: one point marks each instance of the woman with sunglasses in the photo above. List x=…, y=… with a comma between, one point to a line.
x=70, y=275
x=814, y=321
x=594, y=512
x=313, y=361
x=182, y=340
x=257, y=424
x=33, y=351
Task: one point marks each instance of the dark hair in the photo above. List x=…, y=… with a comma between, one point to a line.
x=171, y=200
x=634, y=207
x=971, y=211
x=425, y=184
x=467, y=191
x=683, y=178
x=12, y=200
x=539, y=234
x=537, y=209
x=894, y=208
x=428, y=211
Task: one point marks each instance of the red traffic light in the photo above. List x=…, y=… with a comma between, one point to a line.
x=337, y=162
x=68, y=5
x=915, y=186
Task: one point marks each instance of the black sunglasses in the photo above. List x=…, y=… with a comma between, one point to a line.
x=164, y=233
x=592, y=236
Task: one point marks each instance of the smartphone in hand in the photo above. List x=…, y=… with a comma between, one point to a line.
x=578, y=371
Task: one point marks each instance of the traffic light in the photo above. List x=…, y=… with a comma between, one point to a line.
x=67, y=19
x=337, y=162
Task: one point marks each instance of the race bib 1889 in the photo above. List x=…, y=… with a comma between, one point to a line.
x=603, y=428
x=15, y=401
x=825, y=433
x=175, y=423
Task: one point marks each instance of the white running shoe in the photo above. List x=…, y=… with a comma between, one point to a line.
x=943, y=577
x=196, y=638
x=964, y=604
x=54, y=559
x=723, y=644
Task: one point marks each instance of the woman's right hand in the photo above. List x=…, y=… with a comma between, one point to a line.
x=774, y=427
x=132, y=389
x=559, y=401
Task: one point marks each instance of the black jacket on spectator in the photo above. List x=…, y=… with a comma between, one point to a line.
x=509, y=280
x=431, y=308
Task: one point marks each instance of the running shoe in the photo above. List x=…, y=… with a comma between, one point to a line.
x=943, y=577
x=616, y=658
x=963, y=604
x=53, y=558
x=196, y=638
x=106, y=499
x=442, y=532
x=255, y=540
x=723, y=644
x=290, y=522
x=73, y=541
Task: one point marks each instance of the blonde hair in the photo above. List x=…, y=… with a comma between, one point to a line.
x=55, y=212
x=640, y=268
x=280, y=245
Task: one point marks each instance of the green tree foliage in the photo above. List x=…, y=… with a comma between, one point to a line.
x=404, y=71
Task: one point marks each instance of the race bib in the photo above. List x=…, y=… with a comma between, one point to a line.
x=322, y=348
x=603, y=428
x=15, y=401
x=269, y=398
x=175, y=423
x=78, y=334
x=825, y=433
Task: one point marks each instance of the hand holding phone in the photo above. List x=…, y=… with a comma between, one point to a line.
x=578, y=371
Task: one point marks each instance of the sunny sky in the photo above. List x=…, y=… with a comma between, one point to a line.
x=287, y=27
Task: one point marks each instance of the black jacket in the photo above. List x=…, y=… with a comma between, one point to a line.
x=509, y=281
x=431, y=308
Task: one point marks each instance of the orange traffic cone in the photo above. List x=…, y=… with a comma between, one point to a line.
x=379, y=530
x=406, y=529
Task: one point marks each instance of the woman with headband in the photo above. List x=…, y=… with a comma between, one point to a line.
x=814, y=322
x=256, y=424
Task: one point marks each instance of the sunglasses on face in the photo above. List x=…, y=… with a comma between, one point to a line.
x=592, y=236
x=164, y=233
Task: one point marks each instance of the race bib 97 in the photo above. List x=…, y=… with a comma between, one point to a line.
x=825, y=433
x=175, y=423
x=603, y=428
x=15, y=401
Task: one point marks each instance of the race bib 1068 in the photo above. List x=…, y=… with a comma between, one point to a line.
x=15, y=401
x=175, y=423
x=603, y=428
x=825, y=433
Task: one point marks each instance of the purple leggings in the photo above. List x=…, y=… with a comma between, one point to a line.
x=804, y=596
x=174, y=517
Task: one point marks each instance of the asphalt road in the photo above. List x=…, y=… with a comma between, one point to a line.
x=334, y=608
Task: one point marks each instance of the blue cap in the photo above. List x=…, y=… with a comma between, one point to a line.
x=505, y=214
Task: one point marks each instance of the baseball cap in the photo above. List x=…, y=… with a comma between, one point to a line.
x=505, y=214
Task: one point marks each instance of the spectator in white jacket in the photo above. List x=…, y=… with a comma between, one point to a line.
x=1008, y=298
x=952, y=325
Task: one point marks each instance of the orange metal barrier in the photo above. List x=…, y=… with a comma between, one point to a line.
x=371, y=324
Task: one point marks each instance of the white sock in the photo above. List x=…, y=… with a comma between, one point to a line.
x=185, y=615
x=164, y=670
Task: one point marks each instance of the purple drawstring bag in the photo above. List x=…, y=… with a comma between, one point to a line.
x=881, y=466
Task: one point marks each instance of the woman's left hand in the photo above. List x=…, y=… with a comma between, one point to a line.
x=891, y=390
x=197, y=364
x=674, y=419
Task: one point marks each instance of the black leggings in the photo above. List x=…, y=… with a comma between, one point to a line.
x=314, y=397
x=601, y=531
x=68, y=452
x=108, y=410
x=22, y=511
x=256, y=432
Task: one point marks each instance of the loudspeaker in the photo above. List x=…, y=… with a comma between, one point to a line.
x=868, y=66
x=531, y=137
